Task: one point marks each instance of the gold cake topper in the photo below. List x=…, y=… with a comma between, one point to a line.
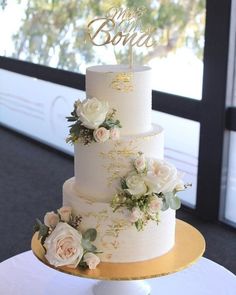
x=121, y=26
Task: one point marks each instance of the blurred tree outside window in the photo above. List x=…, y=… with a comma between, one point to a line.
x=52, y=33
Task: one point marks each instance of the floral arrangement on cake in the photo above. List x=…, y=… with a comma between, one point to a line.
x=64, y=244
x=93, y=122
x=149, y=188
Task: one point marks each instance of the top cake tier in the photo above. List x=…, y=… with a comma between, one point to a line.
x=127, y=90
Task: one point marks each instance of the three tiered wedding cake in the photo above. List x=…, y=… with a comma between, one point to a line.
x=122, y=186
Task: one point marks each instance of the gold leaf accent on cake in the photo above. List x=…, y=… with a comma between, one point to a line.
x=116, y=227
x=123, y=82
x=89, y=202
x=118, y=159
x=115, y=244
x=100, y=216
x=108, y=256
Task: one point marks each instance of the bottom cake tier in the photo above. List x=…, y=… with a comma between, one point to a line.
x=118, y=239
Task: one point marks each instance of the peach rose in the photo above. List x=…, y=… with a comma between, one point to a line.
x=51, y=219
x=92, y=260
x=140, y=163
x=162, y=177
x=135, y=215
x=155, y=205
x=101, y=134
x=65, y=213
x=64, y=246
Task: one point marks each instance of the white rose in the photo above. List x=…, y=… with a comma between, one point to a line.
x=135, y=214
x=65, y=213
x=64, y=246
x=180, y=184
x=51, y=219
x=140, y=163
x=92, y=112
x=155, y=205
x=114, y=133
x=101, y=134
x=162, y=177
x=136, y=185
x=92, y=260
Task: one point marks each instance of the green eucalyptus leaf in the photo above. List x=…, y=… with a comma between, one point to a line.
x=36, y=228
x=90, y=234
x=165, y=205
x=39, y=222
x=175, y=203
x=43, y=230
x=168, y=197
x=86, y=244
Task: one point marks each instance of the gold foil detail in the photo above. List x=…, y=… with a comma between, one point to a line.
x=118, y=159
x=100, y=216
x=123, y=82
x=116, y=227
x=89, y=202
x=108, y=256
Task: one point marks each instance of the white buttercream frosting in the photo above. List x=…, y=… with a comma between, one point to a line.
x=126, y=90
x=117, y=238
x=99, y=166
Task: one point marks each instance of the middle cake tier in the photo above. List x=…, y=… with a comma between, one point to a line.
x=99, y=167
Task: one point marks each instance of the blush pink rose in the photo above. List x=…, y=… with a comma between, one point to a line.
x=51, y=219
x=155, y=205
x=135, y=215
x=162, y=177
x=64, y=246
x=101, y=134
x=91, y=260
x=65, y=213
x=114, y=133
x=140, y=163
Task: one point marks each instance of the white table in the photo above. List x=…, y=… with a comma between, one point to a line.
x=23, y=274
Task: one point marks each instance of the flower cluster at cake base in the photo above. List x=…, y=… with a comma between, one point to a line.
x=63, y=242
x=151, y=187
x=93, y=121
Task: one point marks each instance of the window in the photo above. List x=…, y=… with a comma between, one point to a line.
x=37, y=108
x=230, y=205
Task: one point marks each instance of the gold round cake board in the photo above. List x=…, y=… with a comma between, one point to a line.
x=189, y=247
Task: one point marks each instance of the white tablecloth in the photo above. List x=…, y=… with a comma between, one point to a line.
x=23, y=274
